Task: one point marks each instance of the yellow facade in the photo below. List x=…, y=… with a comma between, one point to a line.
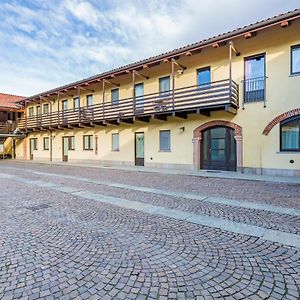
x=260, y=153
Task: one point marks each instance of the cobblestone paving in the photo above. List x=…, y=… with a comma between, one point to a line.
x=270, y=220
x=267, y=192
x=55, y=245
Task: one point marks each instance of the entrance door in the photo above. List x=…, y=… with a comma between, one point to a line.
x=139, y=98
x=65, y=148
x=218, y=149
x=32, y=146
x=139, y=149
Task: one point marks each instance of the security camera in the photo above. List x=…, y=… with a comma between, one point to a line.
x=180, y=71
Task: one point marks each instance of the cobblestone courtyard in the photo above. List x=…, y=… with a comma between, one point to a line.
x=93, y=233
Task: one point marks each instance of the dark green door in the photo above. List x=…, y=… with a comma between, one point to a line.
x=218, y=150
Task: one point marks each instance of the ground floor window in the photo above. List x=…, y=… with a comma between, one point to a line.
x=115, y=142
x=33, y=144
x=290, y=134
x=46, y=143
x=87, y=142
x=164, y=140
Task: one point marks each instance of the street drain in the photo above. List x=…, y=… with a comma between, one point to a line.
x=37, y=207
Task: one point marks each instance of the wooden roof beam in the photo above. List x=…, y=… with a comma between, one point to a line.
x=285, y=24
x=249, y=35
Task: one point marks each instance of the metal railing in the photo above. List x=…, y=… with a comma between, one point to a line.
x=215, y=94
x=254, y=89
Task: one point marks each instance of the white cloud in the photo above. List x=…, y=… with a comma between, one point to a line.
x=45, y=44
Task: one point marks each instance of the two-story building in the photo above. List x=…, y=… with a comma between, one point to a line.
x=230, y=102
x=10, y=113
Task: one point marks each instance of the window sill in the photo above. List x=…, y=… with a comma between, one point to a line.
x=164, y=150
x=288, y=152
x=45, y=149
x=294, y=75
x=88, y=149
x=115, y=150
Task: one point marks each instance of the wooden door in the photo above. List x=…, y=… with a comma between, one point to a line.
x=139, y=149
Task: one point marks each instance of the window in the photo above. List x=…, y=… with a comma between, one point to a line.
x=115, y=96
x=31, y=111
x=255, y=78
x=295, y=60
x=87, y=142
x=76, y=103
x=204, y=77
x=46, y=143
x=164, y=86
x=65, y=105
x=290, y=134
x=164, y=140
x=38, y=110
x=89, y=100
x=46, y=108
x=115, y=142
x=72, y=143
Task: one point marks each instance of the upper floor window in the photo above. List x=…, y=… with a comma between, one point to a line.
x=290, y=134
x=115, y=142
x=255, y=78
x=295, y=60
x=46, y=108
x=164, y=140
x=164, y=85
x=115, y=96
x=204, y=77
x=38, y=110
x=89, y=100
x=87, y=142
x=65, y=105
x=76, y=103
x=31, y=111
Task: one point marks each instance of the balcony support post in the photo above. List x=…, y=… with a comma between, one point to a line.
x=25, y=115
x=41, y=112
x=173, y=84
x=133, y=91
x=79, y=109
x=230, y=70
x=58, y=121
x=103, y=99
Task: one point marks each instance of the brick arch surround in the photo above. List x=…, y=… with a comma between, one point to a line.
x=197, y=138
x=280, y=118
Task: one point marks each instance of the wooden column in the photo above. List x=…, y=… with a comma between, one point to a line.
x=103, y=99
x=50, y=141
x=173, y=84
x=58, y=108
x=230, y=70
x=41, y=111
x=79, y=106
x=133, y=91
x=25, y=115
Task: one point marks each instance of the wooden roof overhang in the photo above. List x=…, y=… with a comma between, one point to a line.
x=283, y=20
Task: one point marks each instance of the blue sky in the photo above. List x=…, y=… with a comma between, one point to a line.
x=44, y=44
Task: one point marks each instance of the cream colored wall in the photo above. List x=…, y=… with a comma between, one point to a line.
x=258, y=150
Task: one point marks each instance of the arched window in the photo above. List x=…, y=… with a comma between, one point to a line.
x=290, y=134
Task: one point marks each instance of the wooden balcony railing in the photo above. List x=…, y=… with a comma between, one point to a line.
x=215, y=94
x=7, y=127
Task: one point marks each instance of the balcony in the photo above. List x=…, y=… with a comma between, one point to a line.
x=219, y=95
x=7, y=127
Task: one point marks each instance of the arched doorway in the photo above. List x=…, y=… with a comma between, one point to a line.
x=218, y=138
x=218, y=149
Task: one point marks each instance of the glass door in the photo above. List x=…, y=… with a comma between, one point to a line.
x=218, y=149
x=139, y=149
x=65, y=148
